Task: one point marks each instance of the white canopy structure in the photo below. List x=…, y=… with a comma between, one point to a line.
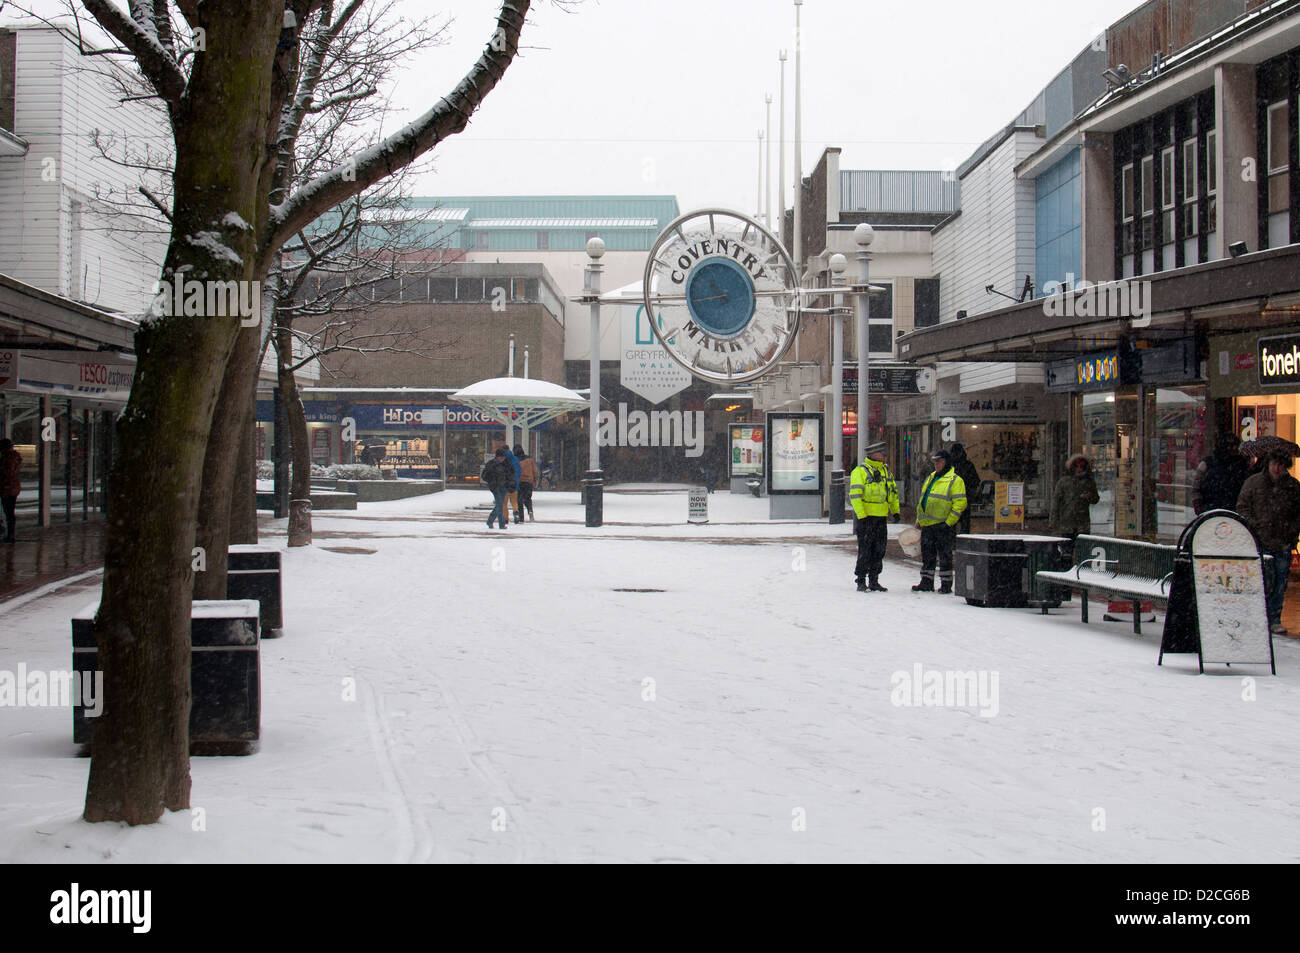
x=519, y=401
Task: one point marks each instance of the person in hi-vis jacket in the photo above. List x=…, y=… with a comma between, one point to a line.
x=943, y=500
x=874, y=498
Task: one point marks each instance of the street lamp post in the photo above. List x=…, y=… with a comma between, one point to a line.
x=863, y=235
x=758, y=212
x=594, y=479
x=767, y=165
x=780, y=162
x=836, y=504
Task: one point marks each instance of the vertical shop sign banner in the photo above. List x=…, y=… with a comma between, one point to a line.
x=645, y=367
x=7, y=372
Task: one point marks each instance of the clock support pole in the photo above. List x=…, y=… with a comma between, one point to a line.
x=835, y=503
x=593, y=482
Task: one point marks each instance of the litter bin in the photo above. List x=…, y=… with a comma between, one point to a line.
x=999, y=570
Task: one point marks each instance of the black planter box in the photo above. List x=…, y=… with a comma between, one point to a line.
x=253, y=572
x=225, y=671
x=998, y=571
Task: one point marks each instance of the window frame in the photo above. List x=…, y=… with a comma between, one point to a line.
x=1285, y=139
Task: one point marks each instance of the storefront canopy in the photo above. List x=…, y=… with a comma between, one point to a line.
x=519, y=401
x=1255, y=290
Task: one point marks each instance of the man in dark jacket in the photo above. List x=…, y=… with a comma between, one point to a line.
x=1270, y=504
x=1220, y=477
x=11, y=464
x=500, y=479
x=971, y=477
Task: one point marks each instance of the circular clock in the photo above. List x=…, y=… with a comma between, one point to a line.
x=723, y=295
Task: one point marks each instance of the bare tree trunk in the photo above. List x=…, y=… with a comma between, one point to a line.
x=243, y=500
x=299, y=442
x=222, y=465
x=140, y=758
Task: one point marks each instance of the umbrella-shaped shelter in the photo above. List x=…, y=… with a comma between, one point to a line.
x=519, y=401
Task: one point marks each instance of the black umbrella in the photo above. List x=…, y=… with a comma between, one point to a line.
x=1262, y=446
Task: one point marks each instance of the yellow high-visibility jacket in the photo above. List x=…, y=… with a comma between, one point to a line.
x=943, y=499
x=872, y=491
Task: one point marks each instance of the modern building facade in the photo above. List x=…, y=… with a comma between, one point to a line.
x=1177, y=179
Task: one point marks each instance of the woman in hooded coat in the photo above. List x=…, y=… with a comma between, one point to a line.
x=1074, y=495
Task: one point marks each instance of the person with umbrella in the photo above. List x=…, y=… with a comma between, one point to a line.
x=1270, y=505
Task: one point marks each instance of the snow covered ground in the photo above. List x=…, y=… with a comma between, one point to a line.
x=510, y=704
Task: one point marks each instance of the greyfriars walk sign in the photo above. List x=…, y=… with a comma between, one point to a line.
x=723, y=295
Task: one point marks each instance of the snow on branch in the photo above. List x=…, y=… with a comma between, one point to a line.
x=449, y=116
x=141, y=39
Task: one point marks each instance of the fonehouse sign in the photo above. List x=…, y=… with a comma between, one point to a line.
x=1279, y=359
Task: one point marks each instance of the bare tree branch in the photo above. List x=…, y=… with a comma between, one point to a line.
x=447, y=118
x=157, y=64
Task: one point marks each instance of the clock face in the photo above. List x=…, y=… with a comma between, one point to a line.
x=723, y=295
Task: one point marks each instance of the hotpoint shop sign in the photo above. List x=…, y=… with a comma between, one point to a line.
x=646, y=367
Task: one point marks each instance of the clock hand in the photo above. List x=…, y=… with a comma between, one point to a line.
x=713, y=298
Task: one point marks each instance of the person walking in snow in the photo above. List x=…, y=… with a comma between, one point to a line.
x=529, y=477
x=1075, y=493
x=874, y=498
x=1218, y=480
x=962, y=466
x=512, y=494
x=499, y=477
x=1270, y=505
x=11, y=464
x=943, y=499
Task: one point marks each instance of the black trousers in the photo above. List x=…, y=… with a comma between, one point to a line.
x=525, y=497
x=936, y=548
x=872, y=536
x=11, y=522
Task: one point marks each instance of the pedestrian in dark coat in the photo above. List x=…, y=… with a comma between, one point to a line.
x=1219, y=478
x=529, y=476
x=1075, y=493
x=499, y=477
x=971, y=477
x=512, y=494
x=1270, y=505
x=11, y=464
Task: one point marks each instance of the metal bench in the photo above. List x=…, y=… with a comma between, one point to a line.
x=1132, y=569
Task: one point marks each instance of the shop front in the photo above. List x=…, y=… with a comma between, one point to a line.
x=402, y=439
x=1012, y=434
x=1140, y=416
x=1255, y=382
x=58, y=407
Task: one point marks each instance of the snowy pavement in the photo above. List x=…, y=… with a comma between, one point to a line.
x=445, y=692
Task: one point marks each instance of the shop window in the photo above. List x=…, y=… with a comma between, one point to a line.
x=1279, y=158
x=926, y=302
x=1127, y=205
x=442, y=289
x=1167, y=201
x=1189, y=188
x=1147, y=201
x=469, y=289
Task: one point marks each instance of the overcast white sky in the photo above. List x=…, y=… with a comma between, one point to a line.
x=666, y=96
